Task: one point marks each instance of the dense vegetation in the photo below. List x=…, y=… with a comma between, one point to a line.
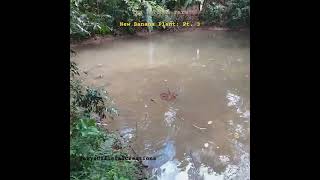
x=89, y=18
x=100, y=17
x=88, y=139
x=231, y=13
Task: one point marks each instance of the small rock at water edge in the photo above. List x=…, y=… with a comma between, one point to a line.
x=209, y=122
x=99, y=64
x=206, y=145
x=203, y=65
x=165, y=80
x=145, y=106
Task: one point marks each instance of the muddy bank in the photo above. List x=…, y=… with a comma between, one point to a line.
x=109, y=38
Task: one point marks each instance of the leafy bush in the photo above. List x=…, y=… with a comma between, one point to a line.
x=179, y=4
x=159, y=13
x=88, y=140
x=91, y=17
x=238, y=13
x=234, y=13
x=100, y=17
x=213, y=14
x=86, y=101
x=84, y=22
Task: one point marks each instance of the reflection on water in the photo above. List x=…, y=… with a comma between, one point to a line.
x=167, y=153
x=151, y=49
x=204, y=132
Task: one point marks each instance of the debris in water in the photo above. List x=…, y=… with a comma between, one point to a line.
x=165, y=80
x=181, y=118
x=168, y=96
x=170, y=116
x=195, y=64
x=206, y=145
x=198, y=127
x=209, y=122
x=224, y=159
x=99, y=65
x=203, y=65
x=198, y=53
x=145, y=106
x=211, y=142
x=218, y=147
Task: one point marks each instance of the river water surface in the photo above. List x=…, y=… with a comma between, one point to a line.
x=204, y=132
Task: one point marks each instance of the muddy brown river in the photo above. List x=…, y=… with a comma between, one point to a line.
x=202, y=133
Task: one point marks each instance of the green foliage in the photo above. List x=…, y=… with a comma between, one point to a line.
x=86, y=21
x=92, y=101
x=86, y=101
x=234, y=13
x=238, y=13
x=100, y=17
x=171, y=4
x=179, y=4
x=85, y=138
x=126, y=11
x=159, y=13
x=214, y=13
x=88, y=140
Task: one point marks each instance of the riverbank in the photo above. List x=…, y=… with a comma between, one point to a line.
x=92, y=145
x=143, y=34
